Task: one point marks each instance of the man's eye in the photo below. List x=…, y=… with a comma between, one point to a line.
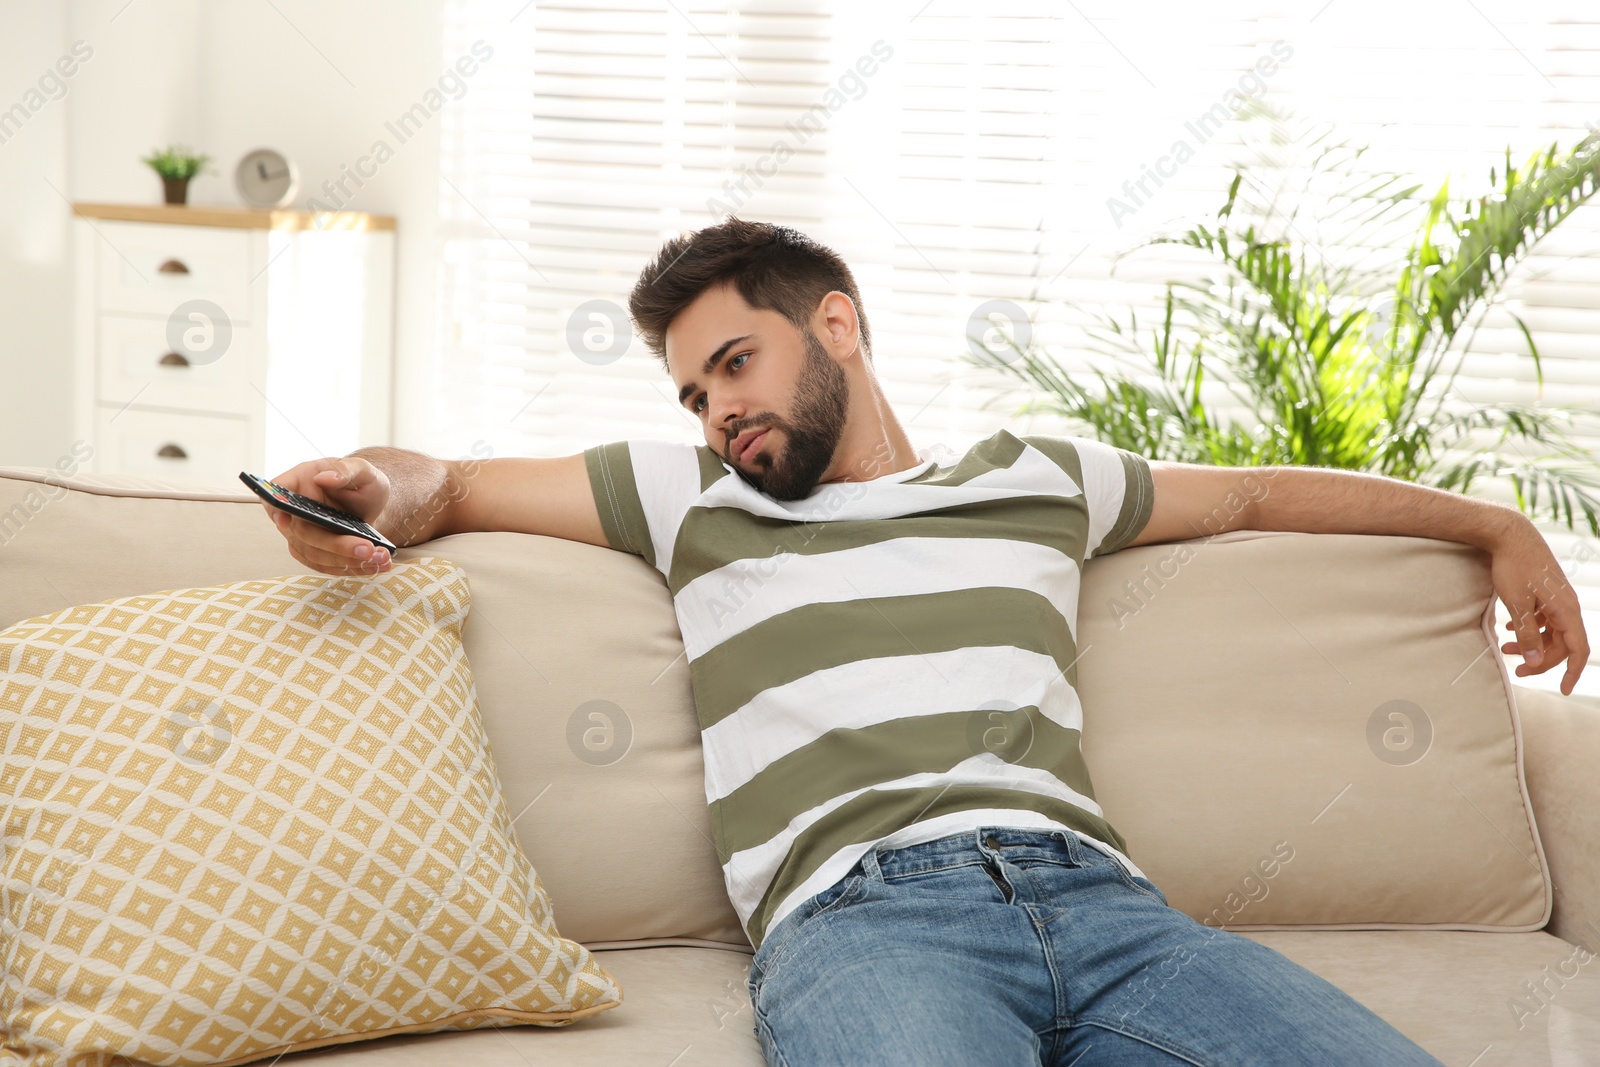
x=694, y=405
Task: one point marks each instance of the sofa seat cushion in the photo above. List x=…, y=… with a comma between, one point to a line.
x=685, y=1006
x=1485, y=999
x=1450, y=991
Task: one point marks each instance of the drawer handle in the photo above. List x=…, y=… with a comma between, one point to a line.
x=172, y=452
x=173, y=266
x=173, y=359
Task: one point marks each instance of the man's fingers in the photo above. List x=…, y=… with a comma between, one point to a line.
x=327, y=563
x=334, y=553
x=376, y=560
x=1527, y=628
x=341, y=476
x=1549, y=635
x=1554, y=652
x=1578, y=639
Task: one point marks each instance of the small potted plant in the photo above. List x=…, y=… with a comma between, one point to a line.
x=176, y=165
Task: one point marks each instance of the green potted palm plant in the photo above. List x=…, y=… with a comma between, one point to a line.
x=176, y=166
x=1328, y=361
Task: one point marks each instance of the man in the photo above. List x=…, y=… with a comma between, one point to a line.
x=854, y=611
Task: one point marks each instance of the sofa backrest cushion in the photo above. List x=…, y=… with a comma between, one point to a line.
x=1298, y=729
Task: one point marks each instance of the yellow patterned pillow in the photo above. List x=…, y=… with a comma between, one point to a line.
x=262, y=817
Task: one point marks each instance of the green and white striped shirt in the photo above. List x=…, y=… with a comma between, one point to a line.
x=886, y=661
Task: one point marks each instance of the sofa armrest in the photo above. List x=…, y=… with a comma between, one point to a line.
x=1561, y=761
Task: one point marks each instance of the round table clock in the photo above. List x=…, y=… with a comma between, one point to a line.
x=265, y=179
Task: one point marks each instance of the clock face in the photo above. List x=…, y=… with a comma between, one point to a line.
x=265, y=179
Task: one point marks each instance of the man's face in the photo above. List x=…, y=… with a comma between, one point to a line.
x=773, y=378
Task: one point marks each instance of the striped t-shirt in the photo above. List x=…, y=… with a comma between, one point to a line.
x=886, y=661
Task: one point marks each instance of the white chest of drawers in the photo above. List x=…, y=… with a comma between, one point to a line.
x=216, y=340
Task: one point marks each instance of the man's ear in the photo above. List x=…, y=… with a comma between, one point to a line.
x=838, y=323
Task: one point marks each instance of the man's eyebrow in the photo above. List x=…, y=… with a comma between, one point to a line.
x=711, y=364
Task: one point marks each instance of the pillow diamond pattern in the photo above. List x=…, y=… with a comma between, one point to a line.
x=262, y=817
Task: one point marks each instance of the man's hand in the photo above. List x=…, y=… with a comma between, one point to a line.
x=350, y=484
x=1545, y=613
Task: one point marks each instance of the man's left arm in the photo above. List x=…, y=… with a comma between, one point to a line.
x=1196, y=500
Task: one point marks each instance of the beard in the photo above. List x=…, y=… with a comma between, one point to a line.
x=811, y=438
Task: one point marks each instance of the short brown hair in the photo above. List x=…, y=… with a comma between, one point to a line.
x=774, y=268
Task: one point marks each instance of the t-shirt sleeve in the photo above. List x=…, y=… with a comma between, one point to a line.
x=643, y=489
x=1118, y=490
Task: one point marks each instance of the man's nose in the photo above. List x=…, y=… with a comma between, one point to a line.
x=728, y=413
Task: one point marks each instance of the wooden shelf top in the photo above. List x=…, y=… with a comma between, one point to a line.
x=237, y=218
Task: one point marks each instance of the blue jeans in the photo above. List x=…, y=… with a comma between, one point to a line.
x=1003, y=946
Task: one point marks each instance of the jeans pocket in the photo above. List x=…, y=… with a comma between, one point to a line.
x=1139, y=885
x=1148, y=884
x=833, y=894
x=779, y=937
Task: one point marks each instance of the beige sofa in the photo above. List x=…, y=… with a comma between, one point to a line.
x=1308, y=738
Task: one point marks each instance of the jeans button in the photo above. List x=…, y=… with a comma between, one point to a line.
x=992, y=841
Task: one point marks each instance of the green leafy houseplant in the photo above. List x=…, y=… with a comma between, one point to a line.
x=1332, y=361
x=176, y=165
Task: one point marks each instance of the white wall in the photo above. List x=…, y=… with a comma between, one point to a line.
x=34, y=248
x=316, y=81
x=139, y=92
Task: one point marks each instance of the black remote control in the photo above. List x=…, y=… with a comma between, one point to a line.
x=314, y=510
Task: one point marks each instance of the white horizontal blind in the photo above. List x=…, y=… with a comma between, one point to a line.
x=1004, y=151
x=602, y=128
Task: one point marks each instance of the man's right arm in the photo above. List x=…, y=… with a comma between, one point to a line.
x=517, y=494
x=417, y=498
